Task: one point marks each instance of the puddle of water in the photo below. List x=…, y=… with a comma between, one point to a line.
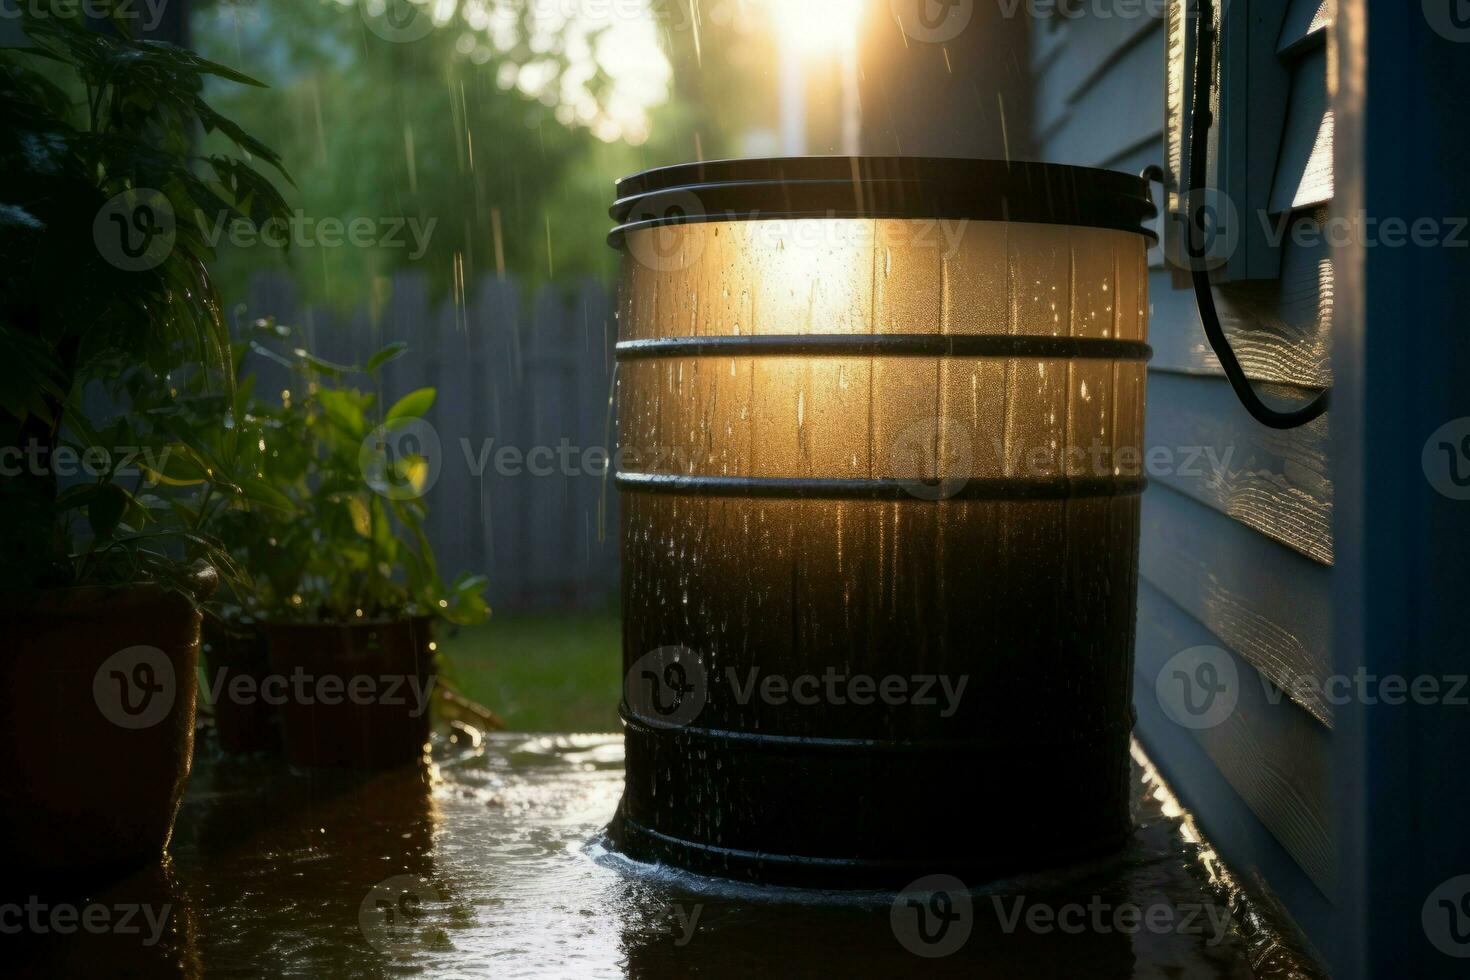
x=492, y=863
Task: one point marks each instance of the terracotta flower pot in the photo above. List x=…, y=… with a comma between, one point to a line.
x=355, y=694
x=98, y=691
x=237, y=662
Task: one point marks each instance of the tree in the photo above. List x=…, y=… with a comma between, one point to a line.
x=475, y=141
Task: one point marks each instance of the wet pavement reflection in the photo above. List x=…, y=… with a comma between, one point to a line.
x=490, y=863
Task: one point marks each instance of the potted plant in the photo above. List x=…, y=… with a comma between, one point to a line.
x=210, y=437
x=106, y=298
x=237, y=664
x=355, y=588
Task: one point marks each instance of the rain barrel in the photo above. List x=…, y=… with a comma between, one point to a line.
x=879, y=463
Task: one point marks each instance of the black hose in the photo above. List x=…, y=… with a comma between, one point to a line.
x=1209, y=315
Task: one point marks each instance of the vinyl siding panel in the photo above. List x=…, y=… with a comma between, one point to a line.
x=1280, y=328
x=1271, y=752
x=1062, y=81
x=1250, y=847
x=1112, y=113
x=1276, y=483
x=1264, y=601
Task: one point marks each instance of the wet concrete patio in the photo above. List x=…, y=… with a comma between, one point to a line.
x=489, y=863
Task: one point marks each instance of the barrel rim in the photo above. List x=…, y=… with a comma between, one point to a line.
x=958, y=345
x=946, y=489
x=779, y=743
x=637, y=841
x=882, y=187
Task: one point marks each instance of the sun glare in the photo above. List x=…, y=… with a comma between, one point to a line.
x=817, y=25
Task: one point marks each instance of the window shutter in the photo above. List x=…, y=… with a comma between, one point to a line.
x=1270, y=147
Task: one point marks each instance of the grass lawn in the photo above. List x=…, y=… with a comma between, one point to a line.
x=541, y=673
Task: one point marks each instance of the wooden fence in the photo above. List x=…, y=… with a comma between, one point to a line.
x=522, y=417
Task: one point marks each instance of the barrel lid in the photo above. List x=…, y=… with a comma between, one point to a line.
x=882, y=187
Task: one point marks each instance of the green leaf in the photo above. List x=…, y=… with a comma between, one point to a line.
x=382, y=530
x=387, y=355
x=186, y=58
x=212, y=120
x=178, y=465
x=344, y=411
x=321, y=364
x=260, y=491
x=467, y=605
x=412, y=405
x=183, y=513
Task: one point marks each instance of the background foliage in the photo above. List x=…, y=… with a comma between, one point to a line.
x=89, y=118
x=443, y=129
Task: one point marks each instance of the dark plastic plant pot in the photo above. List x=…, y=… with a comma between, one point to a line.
x=98, y=691
x=237, y=662
x=355, y=694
